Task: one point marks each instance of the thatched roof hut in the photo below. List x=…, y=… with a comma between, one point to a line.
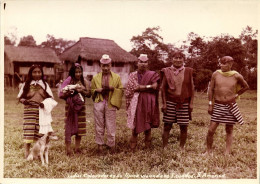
x=93, y=49
x=30, y=54
x=88, y=52
x=17, y=61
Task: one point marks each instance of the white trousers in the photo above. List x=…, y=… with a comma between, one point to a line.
x=105, y=118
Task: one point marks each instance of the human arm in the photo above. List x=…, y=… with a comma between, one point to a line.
x=24, y=101
x=211, y=93
x=163, y=94
x=192, y=95
x=244, y=85
x=141, y=88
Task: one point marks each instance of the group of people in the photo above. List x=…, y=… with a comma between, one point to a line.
x=142, y=102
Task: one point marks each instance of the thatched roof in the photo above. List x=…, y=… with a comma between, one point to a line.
x=31, y=54
x=94, y=48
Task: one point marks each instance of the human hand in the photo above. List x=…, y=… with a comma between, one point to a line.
x=164, y=108
x=137, y=88
x=111, y=88
x=154, y=86
x=191, y=107
x=99, y=90
x=236, y=96
x=41, y=105
x=79, y=88
x=24, y=101
x=210, y=109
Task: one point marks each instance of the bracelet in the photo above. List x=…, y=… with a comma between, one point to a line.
x=210, y=102
x=148, y=86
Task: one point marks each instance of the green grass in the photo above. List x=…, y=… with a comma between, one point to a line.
x=151, y=163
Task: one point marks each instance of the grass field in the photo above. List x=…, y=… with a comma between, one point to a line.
x=151, y=163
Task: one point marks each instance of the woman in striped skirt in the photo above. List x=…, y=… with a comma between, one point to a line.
x=32, y=93
x=74, y=90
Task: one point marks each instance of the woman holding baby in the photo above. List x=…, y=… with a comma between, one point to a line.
x=74, y=89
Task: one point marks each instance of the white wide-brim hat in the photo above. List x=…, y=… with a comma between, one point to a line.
x=143, y=57
x=105, y=59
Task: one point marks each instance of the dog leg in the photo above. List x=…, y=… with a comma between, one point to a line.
x=27, y=149
x=47, y=155
x=41, y=154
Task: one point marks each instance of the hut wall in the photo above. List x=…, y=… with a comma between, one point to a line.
x=8, y=66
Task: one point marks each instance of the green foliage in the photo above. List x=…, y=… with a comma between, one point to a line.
x=27, y=41
x=8, y=41
x=150, y=43
x=144, y=163
x=202, y=78
x=57, y=44
x=204, y=53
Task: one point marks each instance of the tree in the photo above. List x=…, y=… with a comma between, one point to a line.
x=27, y=41
x=151, y=43
x=11, y=36
x=8, y=41
x=206, y=54
x=58, y=45
x=202, y=78
x=249, y=41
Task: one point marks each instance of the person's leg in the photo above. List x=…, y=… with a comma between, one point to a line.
x=211, y=131
x=183, y=135
x=27, y=149
x=148, y=138
x=77, y=143
x=166, y=132
x=133, y=140
x=68, y=148
x=110, y=124
x=229, y=138
x=99, y=124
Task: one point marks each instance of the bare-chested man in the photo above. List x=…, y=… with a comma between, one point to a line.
x=223, y=91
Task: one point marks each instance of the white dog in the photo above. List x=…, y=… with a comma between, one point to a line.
x=41, y=147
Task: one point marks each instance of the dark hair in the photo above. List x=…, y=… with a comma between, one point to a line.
x=30, y=78
x=178, y=53
x=73, y=70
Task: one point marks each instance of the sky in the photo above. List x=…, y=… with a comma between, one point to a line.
x=120, y=20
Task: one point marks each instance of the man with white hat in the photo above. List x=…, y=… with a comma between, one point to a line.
x=107, y=92
x=142, y=105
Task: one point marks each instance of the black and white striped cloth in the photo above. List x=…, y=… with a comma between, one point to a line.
x=179, y=116
x=226, y=113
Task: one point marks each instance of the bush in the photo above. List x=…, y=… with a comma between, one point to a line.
x=202, y=78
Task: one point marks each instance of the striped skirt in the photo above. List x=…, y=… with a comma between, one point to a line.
x=173, y=115
x=81, y=131
x=31, y=123
x=226, y=113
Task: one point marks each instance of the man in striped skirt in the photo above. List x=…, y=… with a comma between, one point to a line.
x=177, y=92
x=225, y=87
